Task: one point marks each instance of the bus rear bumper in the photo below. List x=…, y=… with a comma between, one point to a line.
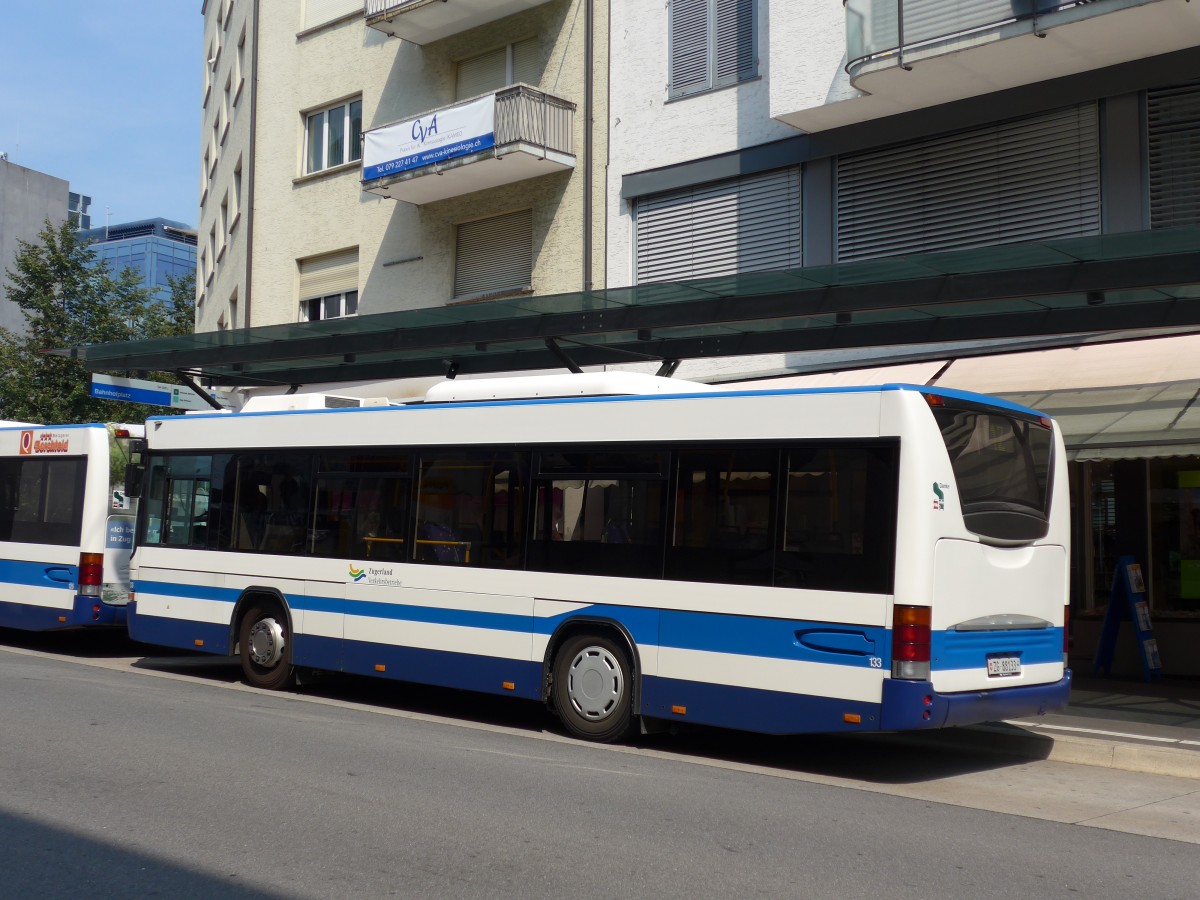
x=910, y=705
x=94, y=611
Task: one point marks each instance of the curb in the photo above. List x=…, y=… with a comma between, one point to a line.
x=1006, y=739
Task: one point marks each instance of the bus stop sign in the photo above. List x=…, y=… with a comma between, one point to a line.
x=154, y=393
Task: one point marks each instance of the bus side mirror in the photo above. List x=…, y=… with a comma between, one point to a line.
x=135, y=474
x=135, y=471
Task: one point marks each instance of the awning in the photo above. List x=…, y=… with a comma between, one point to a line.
x=1135, y=280
x=1128, y=400
x=1119, y=401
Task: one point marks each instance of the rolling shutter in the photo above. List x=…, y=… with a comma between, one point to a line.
x=490, y=71
x=1033, y=179
x=494, y=255
x=928, y=19
x=332, y=273
x=739, y=225
x=526, y=63
x=482, y=74
x=1173, y=121
x=318, y=12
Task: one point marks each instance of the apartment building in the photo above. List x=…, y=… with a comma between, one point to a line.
x=296, y=226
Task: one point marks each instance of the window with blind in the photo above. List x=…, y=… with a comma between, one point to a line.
x=329, y=286
x=517, y=63
x=318, y=12
x=712, y=44
x=1033, y=179
x=494, y=255
x=1173, y=127
x=739, y=225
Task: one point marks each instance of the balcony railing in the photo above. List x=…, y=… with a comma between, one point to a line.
x=532, y=131
x=530, y=116
x=425, y=21
x=896, y=28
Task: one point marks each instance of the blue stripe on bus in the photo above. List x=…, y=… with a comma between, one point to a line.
x=905, y=704
x=970, y=649
x=909, y=705
x=713, y=632
x=442, y=668
x=770, y=712
x=190, y=591
x=37, y=574
x=51, y=427
x=821, y=642
x=84, y=611
x=207, y=637
x=633, y=398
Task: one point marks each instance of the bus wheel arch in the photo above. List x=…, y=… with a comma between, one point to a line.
x=263, y=628
x=592, y=679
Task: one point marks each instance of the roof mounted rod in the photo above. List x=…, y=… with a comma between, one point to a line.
x=186, y=379
x=552, y=346
x=668, y=367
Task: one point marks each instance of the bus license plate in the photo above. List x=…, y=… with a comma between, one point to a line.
x=1004, y=665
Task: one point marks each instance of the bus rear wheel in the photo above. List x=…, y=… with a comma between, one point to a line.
x=592, y=688
x=265, y=643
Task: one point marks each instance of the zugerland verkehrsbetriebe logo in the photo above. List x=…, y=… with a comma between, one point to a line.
x=366, y=573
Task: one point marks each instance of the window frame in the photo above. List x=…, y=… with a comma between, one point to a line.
x=343, y=298
x=350, y=139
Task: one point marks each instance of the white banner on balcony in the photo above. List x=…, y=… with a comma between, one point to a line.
x=433, y=138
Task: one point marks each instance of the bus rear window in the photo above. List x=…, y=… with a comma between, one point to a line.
x=1002, y=466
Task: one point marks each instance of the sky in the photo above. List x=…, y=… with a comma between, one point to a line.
x=105, y=94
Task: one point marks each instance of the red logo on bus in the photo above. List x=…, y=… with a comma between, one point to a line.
x=45, y=442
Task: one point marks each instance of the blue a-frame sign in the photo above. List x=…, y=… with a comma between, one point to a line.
x=1128, y=595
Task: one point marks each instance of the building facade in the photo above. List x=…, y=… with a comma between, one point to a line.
x=28, y=199
x=293, y=230
x=157, y=249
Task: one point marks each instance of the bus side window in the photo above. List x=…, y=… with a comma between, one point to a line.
x=840, y=518
x=724, y=503
x=471, y=510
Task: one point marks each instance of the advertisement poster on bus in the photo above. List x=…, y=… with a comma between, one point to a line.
x=430, y=139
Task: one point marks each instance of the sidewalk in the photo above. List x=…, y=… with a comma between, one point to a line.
x=1117, y=723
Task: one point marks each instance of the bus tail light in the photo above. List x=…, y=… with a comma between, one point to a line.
x=911, y=638
x=91, y=573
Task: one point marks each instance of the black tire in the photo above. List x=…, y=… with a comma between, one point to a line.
x=592, y=688
x=265, y=642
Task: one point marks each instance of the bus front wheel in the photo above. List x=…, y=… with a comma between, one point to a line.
x=265, y=643
x=592, y=688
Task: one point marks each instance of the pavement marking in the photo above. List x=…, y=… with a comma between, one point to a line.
x=1042, y=726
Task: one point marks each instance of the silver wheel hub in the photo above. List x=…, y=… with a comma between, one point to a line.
x=595, y=683
x=266, y=642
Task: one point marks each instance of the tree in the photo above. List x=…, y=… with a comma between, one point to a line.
x=69, y=298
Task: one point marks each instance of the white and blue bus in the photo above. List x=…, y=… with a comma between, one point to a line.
x=628, y=550
x=65, y=537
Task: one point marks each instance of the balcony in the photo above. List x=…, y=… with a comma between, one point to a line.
x=425, y=21
x=912, y=54
x=512, y=135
